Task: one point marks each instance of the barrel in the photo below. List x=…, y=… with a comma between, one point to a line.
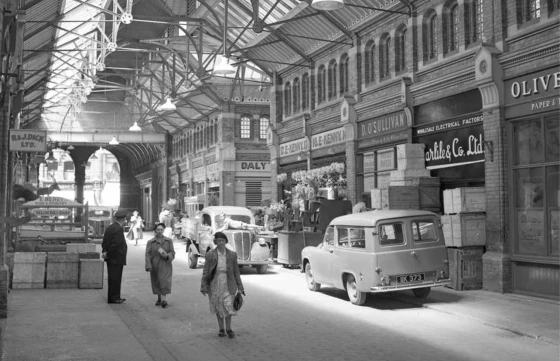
x=63, y=270
x=91, y=273
x=29, y=270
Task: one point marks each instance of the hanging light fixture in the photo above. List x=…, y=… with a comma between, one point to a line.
x=224, y=67
x=135, y=127
x=93, y=156
x=114, y=141
x=51, y=157
x=327, y=5
x=70, y=147
x=168, y=105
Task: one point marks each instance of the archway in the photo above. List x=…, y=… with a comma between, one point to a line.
x=102, y=180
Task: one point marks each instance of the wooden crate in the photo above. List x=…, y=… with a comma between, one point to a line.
x=464, y=230
x=51, y=248
x=91, y=273
x=63, y=270
x=379, y=198
x=403, y=197
x=80, y=247
x=464, y=200
x=89, y=255
x=465, y=268
x=29, y=270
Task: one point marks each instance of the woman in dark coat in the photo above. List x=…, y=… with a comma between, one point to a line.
x=159, y=255
x=221, y=281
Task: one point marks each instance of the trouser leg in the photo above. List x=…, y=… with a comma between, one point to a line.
x=114, y=277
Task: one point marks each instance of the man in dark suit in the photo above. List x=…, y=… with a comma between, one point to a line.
x=114, y=253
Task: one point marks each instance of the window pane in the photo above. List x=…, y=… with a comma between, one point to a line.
x=424, y=231
x=553, y=200
x=529, y=200
x=263, y=127
x=390, y=234
x=329, y=236
x=342, y=237
x=552, y=136
x=245, y=127
x=527, y=142
x=357, y=238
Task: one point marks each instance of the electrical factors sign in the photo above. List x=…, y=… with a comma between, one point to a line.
x=22, y=140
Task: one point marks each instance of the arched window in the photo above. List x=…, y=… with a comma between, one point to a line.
x=287, y=99
x=344, y=74
x=369, y=62
x=305, y=91
x=430, y=36
x=297, y=94
x=400, y=49
x=321, y=84
x=245, y=127
x=451, y=28
x=332, y=79
x=474, y=19
x=384, y=59
x=263, y=126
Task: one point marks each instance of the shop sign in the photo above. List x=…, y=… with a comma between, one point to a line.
x=51, y=202
x=294, y=147
x=384, y=125
x=384, y=139
x=329, y=138
x=244, y=166
x=456, y=146
x=28, y=140
x=51, y=212
x=533, y=93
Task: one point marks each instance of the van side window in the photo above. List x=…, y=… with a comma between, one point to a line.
x=391, y=234
x=424, y=231
x=206, y=220
x=329, y=236
x=357, y=238
x=343, y=237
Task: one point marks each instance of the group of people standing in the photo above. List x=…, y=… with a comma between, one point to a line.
x=221, y=280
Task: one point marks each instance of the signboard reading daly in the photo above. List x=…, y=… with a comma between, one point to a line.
x=22, y=140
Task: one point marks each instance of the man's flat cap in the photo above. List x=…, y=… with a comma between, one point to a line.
x=121, y=213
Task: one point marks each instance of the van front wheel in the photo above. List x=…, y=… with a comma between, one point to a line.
x=421, y=292
x=356, y=296
x=311, y=284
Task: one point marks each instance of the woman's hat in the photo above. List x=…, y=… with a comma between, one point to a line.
x=220, y=235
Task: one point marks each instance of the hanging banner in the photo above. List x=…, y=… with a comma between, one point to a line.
x=22, y=140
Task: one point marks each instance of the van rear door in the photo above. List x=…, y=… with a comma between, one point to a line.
x=428, y=245
x=393, y=250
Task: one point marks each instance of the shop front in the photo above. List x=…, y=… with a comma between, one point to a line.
x=533, y=120
x=377, y=157
x=252, y=182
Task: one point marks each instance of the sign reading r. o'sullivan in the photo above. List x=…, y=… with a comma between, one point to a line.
x=22, y=140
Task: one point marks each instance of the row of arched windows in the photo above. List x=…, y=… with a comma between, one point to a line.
x=193, y=140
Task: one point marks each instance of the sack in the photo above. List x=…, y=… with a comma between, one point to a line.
x=237, y=302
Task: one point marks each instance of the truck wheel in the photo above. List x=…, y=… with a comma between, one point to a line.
x=356, y=296
x=193, y=260
x=261, y=269
x=311, y=284
x=421, y=292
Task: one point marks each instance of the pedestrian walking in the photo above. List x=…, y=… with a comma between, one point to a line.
x=166, y=218
x=114, y=250
x=221, y=281
x=136, y=224
x=159, y=255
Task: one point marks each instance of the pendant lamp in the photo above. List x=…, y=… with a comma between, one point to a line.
x=135, y=128
x=327, y=5
x=168, y=105
x=223, y=67
x=114, y=141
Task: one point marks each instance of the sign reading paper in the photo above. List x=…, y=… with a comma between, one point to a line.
x=22, y=140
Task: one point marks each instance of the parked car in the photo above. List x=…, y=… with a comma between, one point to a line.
x=200, y=235
x=99, y=218
x=379, y=251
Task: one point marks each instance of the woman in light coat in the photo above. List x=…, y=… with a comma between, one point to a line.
x=221, y=281
x=136, y=226
x=159, y=255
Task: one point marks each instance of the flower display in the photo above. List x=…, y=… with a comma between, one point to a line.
x=281, y=178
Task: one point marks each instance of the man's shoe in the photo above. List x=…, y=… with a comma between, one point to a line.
x=230, y=333
x=120, y=300
x=158, y=303
x=164, y=304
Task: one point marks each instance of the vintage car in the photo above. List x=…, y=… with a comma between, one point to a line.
x=199, y=232
x=379, y=251
x=99, y=218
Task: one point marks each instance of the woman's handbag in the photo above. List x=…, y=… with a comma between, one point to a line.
x=237, y=301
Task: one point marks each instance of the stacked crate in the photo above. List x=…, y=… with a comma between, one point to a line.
x=464, y=229
x=410, y=186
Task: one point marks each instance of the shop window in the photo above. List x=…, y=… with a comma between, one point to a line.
x=344, y=74
x=245, y=127
x=287, y=99
x=369, y=62
x=552, y=138
x=553, y=5
x=553, y=206
x=305, y=91
x=384, y=59
x=321, y=84
x=430, y=36
x=451, y=28
x=528, y=143
x=332, y=79
x=400, y=49
x=263, y=127
x=474, y=21
x=297, y=94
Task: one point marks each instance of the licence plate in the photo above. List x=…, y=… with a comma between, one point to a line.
x=411, y=278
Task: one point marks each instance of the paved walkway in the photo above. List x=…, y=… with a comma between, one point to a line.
x=78, y=324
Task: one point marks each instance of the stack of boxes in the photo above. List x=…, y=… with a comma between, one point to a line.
x=464, y=229
x=410, y=186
